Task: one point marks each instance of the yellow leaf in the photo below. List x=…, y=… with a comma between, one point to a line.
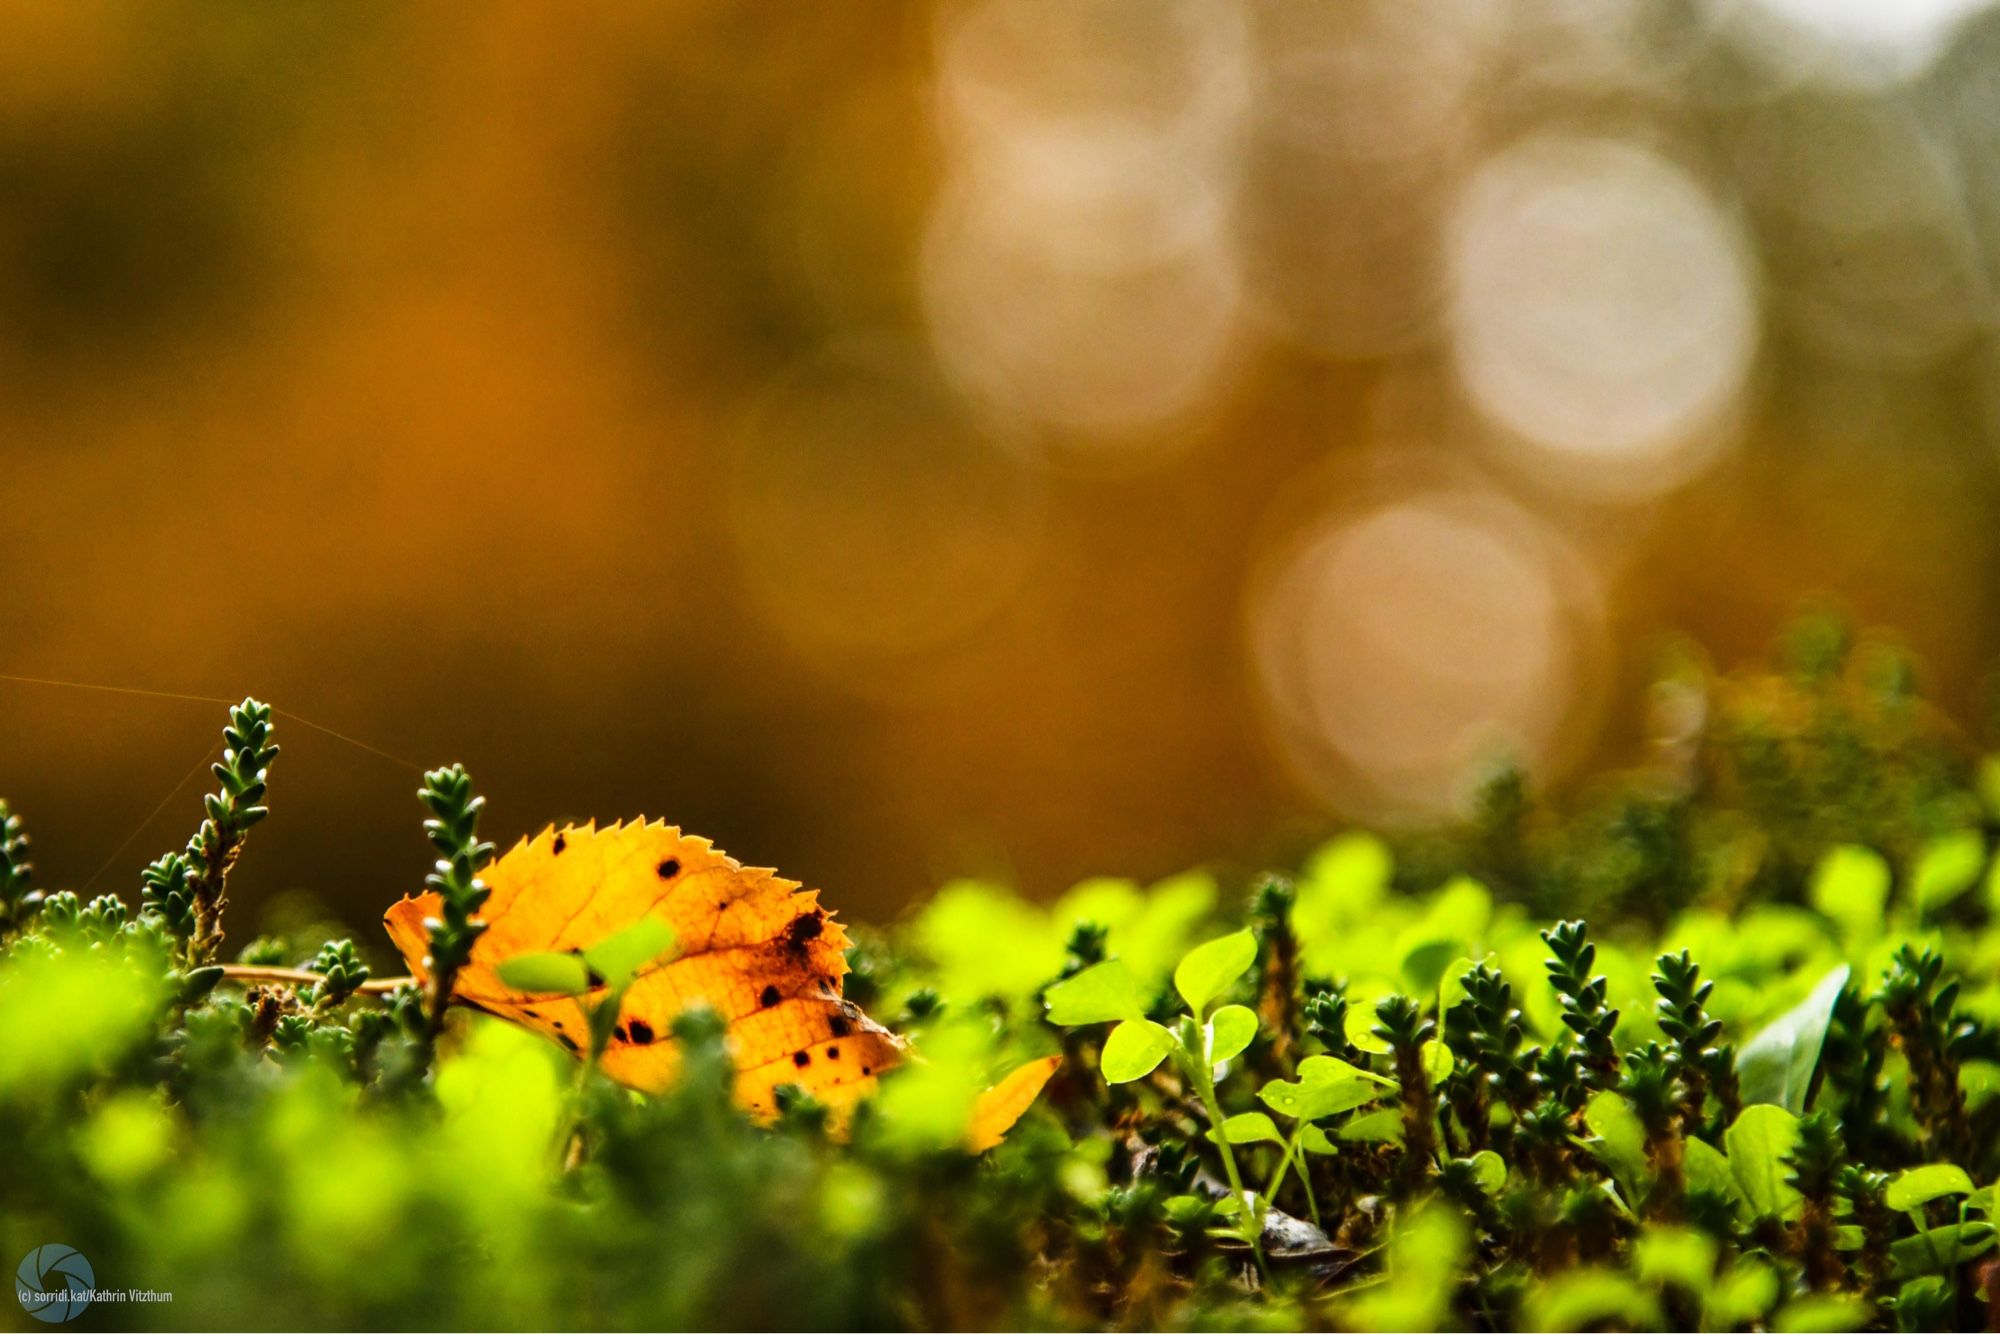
x=1002, y=1105
x=754, y=947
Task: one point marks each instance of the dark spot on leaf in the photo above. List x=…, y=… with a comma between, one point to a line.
x=841, y=1028
x=833, y=1053
x=769, y=997
x=566, y=1040
x=865, y=1072
x=642, y=1032
x=619, y=1033
x=805, y=927
x=559, y=845
x=669, y=868
x=801, y=1058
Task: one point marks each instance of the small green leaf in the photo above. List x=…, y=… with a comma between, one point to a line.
x=1451, y=986
x=1247, y=1128
x=1326, y=1086
x=1851, y=885
x=1919, y=1185
x=198, y=982
x=1096, y=995
x=1385, y=1125
x=1757, y=1143
x=1436, y=1060
x=1209, y=970
x=1135, y=1048
x=1940, y=1249
x=548, y=973
x=1707, y=1169
x=618, y=958
x=1823, y=1313
x=1314, y=1140
x=1946, y=868
x=1743, y=1293
x=1620, y=1142
x=1777, y=1065
x=1489, y=1169
x=1589, y=1298
x=1677, y=1255
x=1229, y=1031
x=1333, y=1070
x=1360, y=1026
x=1425, y=964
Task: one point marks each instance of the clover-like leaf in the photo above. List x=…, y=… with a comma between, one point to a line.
x=547, y=973
x=1134, y=1050
x=1247, y=1128
x=1097, y=995
x=1918, y=1186
x=1758, y=1144
x=1230, y=1030
x=617, y=958
x=1489, y=1169
x=1619, y=1137
x=1209, y=970
x=1946, y=868
x=1378, y=1127
x=1851, y=885
x=1940, y=1249
x=1325, y=1087
x=1435, y=1058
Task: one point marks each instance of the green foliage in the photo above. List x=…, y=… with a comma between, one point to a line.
x=341, y=974
x=453, y=829
x=1386, y=1092
x=1779, y=1063
x=18, y=900
x=231, y=810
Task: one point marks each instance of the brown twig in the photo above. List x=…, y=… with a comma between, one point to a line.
x=302, y=977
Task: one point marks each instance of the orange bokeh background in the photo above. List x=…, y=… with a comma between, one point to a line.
x=1006, y=438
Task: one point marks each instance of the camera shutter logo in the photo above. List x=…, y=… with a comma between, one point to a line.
x=54, y=1283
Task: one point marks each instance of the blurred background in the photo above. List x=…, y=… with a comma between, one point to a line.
x=1026, y=438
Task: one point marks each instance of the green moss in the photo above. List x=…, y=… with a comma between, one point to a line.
x=1386, y=1090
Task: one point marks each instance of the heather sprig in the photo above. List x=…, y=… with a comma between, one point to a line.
x=231, y=810
x=1813, y=1168
x=1582, y=997
x=18, y=899
x=453, y=829
x=1401, y=1022
x=1704, y=1063
x=1651, y=1082
x=1919, y=1003
x=1486, y=1030
x=341, y=973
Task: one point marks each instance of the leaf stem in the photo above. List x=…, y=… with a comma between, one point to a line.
x=1196, y=1066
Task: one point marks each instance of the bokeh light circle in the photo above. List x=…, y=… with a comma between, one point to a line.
x=1075, y=271
x=1362, y=114
x=1603, y=310
x=1858, y=44
x=1402, y=639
